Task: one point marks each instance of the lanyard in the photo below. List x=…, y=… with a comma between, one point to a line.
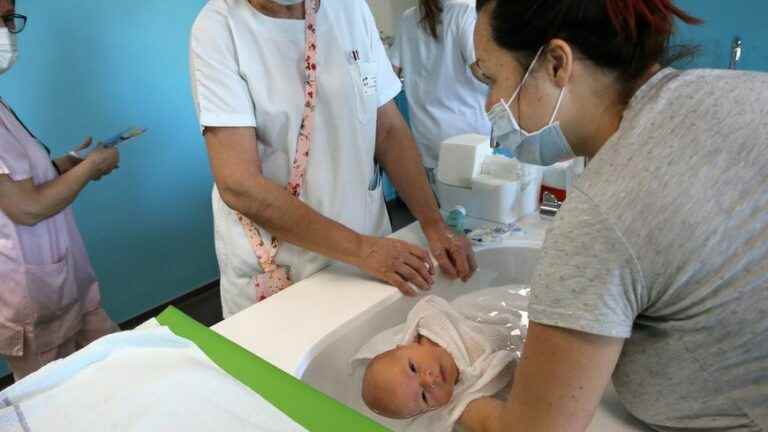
x=275, y=278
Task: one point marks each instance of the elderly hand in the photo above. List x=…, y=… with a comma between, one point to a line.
x=452, y=251
x=102, y=161
x=398, y=263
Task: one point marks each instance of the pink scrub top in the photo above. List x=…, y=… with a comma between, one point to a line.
x=46, y=279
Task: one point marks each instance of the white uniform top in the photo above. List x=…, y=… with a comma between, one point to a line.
x=444, y=97
x=247, y=71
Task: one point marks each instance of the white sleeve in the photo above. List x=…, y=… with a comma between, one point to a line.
x=396, y=56
x=220, y=92
x=466, y=35
x=387, y=83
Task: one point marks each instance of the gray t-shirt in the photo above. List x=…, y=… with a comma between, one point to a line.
x=664, y=242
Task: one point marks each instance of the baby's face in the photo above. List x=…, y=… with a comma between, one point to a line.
x=410, y=380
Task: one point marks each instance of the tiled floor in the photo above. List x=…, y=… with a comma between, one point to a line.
x=205, y=307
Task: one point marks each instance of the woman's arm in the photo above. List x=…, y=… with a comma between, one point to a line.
x=482, y=415
x=66, y=163
x=558, y=385
x=398, y=154
x=236, y=166
x=560, y=380
x=27, y=204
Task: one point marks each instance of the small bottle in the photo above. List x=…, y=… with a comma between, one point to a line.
x=455, y=219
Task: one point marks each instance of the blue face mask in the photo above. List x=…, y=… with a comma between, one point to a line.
x=544, y=147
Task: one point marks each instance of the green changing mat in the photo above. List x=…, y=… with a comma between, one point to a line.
x=306, y=406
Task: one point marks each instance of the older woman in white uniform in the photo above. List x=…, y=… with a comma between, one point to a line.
x=307, y=103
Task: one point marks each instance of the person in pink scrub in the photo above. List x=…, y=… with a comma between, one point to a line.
x=49, y=297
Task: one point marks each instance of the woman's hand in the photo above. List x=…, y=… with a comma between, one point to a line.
x=452, y=251
x=27, y=203
x=70, y=160
x=398, y=263
x=102, y=161
x=87, y=143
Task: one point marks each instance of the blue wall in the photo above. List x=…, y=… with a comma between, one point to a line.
x=725, y=19
x=402, y=104
x=94, y=68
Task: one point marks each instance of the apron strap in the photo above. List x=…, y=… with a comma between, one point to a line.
x=266, y=253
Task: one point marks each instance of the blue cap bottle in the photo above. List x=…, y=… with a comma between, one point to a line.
x=455, y=219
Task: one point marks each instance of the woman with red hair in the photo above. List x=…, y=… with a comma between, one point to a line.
x=655, y=272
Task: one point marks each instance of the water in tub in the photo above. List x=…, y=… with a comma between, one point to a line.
x=501, y=313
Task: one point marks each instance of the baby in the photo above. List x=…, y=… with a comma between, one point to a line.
x=440, y=361
x=410, y=380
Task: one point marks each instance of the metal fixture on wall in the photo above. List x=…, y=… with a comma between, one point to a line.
x=736, y=52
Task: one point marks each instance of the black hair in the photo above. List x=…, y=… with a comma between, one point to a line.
x=431, y=12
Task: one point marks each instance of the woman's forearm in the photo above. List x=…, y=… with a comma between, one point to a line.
x=482, y=415
x=56, y=195
x=236, y=166
x=289, y=219
x=66, y=163
x=398, y=154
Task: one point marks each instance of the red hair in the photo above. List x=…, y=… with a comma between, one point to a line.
x=627, y=15
x=627, y=37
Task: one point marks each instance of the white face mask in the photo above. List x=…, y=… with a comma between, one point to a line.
x=8, y=50
x=544, y=147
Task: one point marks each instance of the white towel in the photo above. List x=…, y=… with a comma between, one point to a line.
x=142, y=380
x=484, y=343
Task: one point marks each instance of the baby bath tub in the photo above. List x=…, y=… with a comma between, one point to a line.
x=312, y=329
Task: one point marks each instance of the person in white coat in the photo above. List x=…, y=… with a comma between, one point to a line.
x=301, y=95
x=434, y=53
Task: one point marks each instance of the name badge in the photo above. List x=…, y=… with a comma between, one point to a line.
x=369, y=84
x=367, y=77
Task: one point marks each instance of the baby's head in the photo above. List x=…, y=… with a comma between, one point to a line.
x=410, y=380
